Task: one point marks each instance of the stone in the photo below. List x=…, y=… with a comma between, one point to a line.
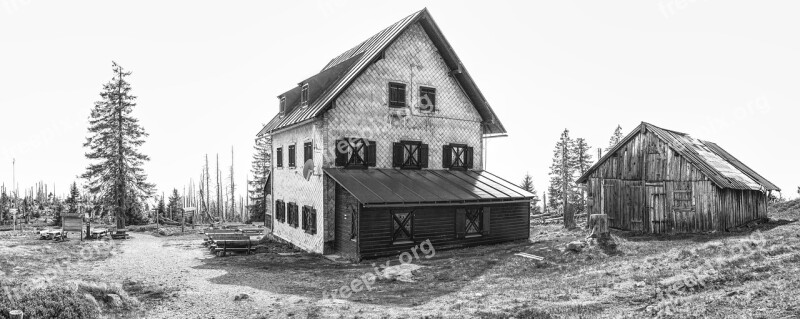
x=113, y=300
x=576, y=246
x=241, y=297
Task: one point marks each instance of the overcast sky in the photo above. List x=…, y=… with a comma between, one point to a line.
x=207, y=74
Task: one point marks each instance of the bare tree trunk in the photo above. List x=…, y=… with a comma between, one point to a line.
x=220, y=211
x=233, y=188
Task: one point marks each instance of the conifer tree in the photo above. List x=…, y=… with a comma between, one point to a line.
x=527, y=183
x=561, y=158
x=583, y=160
x=615, y=138
x=161, y=210
x=260, y=170
x=115, y=174
x=72, y=200
x=174, y=204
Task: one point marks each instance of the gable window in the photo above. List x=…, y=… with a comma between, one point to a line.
x=292, y=156
x=472, y=222
x=355, y=153
x=282, y=105
x=457, y=156
x=682, y=196
x=427, y=99
x=402, y=226
x=308, y=151
x=291, y=214
x=280, y=211
x=309, y=220
x=397, y=94
x=410, y=155
x=279, y=157
x=304, y=95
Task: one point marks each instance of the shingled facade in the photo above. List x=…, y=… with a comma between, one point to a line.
x=383, y=149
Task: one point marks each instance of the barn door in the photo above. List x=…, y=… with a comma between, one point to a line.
x=610, y=203
x=658, y=201
x=634, y=206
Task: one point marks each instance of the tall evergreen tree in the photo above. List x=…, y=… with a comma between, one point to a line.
x=161, y=211
x=615, y=138
x=561, y=158
x=115, y=174
x=583, y=160
x=72, y=200
x=4, y=205
x=260, y=170
x=174, y=204
x=527, y=183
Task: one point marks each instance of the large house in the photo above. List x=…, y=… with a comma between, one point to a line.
x=383, y=149
x=661, y=181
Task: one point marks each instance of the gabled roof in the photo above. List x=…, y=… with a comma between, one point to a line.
x=717, y=164
x=363, y=55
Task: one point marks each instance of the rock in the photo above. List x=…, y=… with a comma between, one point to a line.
x=576, y=246
x=241, y=297
x=113, y=300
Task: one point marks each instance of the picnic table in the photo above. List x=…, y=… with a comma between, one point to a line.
x=212, y=232
x=51, y=234
x=222, y=243
x=98, y=233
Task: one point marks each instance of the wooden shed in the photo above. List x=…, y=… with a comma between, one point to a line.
x=661, y=181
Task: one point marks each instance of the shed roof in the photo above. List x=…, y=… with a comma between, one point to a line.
x=361, y=56
x=717, y=164
x=395, y=187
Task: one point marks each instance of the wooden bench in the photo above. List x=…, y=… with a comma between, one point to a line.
x=212, y=232
x=120, y=234
x=51, y=234
x=252, y=231
x=98, y=233
x=221, y=244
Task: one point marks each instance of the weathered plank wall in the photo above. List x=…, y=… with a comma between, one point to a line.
x=673, y=197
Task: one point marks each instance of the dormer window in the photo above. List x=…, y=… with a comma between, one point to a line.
x=282, y=105
x=304, y=95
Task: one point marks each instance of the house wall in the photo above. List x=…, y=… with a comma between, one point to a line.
x=507, y=222
x=291, y=186
x=637, y=189
x=362, y=110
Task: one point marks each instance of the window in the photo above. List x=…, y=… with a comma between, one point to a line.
x=402, y=226
x=457, y=156
x=355, y=153
x=472, y=222
x=291, y=212
x=304, y=95
x=292, y=156
x=410, y=155
x=279, y=157
x=427, y=99
x=308, y=151
x=282, y=105
x=280, y=211
x=309, y=220
x=682, y=196
x=397, y=94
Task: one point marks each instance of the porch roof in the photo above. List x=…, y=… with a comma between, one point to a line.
x=395, y=187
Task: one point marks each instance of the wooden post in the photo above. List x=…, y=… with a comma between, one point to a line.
x=183, y=219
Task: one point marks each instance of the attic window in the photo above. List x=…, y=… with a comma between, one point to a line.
x=304, y=95
x=282, y=105
x=427, y=99
x=397, y=94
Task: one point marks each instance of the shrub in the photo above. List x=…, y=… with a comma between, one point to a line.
x=50, y=302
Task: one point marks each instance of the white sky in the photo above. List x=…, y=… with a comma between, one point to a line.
x=207, y=74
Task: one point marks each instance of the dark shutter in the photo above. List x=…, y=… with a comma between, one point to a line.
x=397, y=155
x=341, y=157
x=447, y=156
x=461, y=227
x=371, y=153
x=486, y=223
x=468, y=156
x=423, y=156
x=313, y=221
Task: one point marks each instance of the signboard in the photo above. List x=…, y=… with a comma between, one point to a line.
x=72, y=222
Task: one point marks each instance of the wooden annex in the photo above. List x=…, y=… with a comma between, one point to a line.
x=661, y=181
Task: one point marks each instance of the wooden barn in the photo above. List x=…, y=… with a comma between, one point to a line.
x=383, y=149
x=661, y=181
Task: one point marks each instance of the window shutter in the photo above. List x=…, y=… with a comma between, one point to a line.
x=447, y=156
x=461, y=227
x=397, y=154
x=486, y=213
x=468, y=156
x=313, y=221
x=341, y=157
x=371, y=153
x=423, y=156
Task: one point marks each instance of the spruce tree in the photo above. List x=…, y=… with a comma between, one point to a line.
x=557, y=172
x=527, y=183
x=583, y=160
x=174, y=203
x=615, y=138
x=115, y=174
x=161, y=210
x=260, y=170
x=72, y=200
x=4, y=205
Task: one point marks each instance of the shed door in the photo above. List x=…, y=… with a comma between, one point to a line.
x=610, y=203
x=658, y=201
x=634, y=208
